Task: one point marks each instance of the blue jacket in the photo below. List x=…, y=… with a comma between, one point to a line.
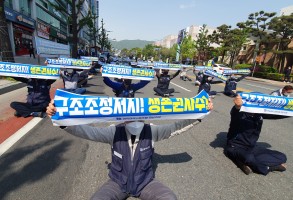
x=120, y=88
x=132, y=174
x=38, y=90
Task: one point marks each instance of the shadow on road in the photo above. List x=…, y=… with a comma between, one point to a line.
x=173, y=158
x=220, y=140
x=13, y=175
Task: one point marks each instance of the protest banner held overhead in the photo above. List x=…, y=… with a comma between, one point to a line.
x=28, y=71
x=127, y=72
x=73, y=109
x=266, y=104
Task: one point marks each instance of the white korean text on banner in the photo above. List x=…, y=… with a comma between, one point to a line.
x=202, y=68
x=28, y=71
x=266, y=104
x=74, y=109
x=90, y=58
x=159, y=65
x=127, y=72
x=69, y=63
x=236, y=71
x=214, y=74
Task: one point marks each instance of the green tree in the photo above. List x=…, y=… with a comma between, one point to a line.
x=221, y=37
x=148, y=51
x=103, y=40
x=5, y=45
x=187, y=48
x=282, y=28
x=74, y=20
x=258, y=23
x=125, y=52
x=238, y=37
x=202, y=44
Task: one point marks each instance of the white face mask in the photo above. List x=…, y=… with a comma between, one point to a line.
x=210, y=78
x=286, y=94
x=70, y=71
x=134, y=128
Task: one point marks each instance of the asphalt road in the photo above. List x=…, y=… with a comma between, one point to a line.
x=49, y=163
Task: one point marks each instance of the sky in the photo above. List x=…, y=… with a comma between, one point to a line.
x=153, y=20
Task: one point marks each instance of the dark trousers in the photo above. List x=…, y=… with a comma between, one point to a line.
x=259, y=160
x=25, y=109
x=155, y=190
x=161, y=92
x=32, y=53
x=230, y=93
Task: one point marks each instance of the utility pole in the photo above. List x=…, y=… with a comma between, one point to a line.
x=254, y=56
x=97, y=28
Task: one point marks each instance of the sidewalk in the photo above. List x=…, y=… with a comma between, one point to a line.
x=279, y=83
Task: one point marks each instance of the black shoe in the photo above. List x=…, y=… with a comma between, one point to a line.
x=166, y=95
x=39, y=114
x=279, y=168
x=245, y=168
x=16, y=114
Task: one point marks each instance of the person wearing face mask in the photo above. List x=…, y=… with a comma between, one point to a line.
x=206, y=86
x=164, y=80
x=231, y=85
x=242, y=137
x=125, y=88
x=70, y=79
x=283, y=92
x=132, y=145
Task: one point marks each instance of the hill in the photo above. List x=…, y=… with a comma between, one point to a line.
x=129, y=44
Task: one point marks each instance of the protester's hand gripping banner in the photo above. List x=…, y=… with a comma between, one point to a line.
x=167, y=66
x=28, y=71
x=216, y=75
x=73, y=109
x=127, y=72
x=69, y=63
x=236, y=71
x=266, y=104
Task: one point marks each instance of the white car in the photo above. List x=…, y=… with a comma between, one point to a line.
x=219, y=68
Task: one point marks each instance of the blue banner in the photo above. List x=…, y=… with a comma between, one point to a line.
x=28, y=71
x=127, y=72
x=73, y=109
x=201, y=68
x=160, y=65
x=216, y=75
x=90, y=58
x=145, y=64
x=266, y=104
x=69, y=63
x=236, y=71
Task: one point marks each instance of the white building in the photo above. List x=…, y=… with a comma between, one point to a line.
x=286, y=11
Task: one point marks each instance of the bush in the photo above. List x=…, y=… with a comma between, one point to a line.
x=243, y=66
x=267, y=69
x=271, y=76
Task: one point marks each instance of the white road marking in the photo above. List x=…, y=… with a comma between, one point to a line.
x=4, y=146
x=181, y=87
x=261, y=87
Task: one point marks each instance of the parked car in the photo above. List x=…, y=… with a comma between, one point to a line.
x=219, y=68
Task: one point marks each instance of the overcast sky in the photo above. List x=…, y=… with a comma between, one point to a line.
x=155, y=19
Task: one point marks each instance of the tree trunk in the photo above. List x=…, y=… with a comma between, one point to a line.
x=223, y=55
x=74, y=30
x=5, y=46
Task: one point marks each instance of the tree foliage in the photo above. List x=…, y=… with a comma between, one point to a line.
x=103, y=39
x=187, y=48
x=75, y=20
x=202, y=44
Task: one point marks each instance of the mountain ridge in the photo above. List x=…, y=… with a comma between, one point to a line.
x=129, y=44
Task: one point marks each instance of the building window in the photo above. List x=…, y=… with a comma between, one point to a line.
x=8, y=3
x=24, y=7
x=42, y=3
x=46, y=17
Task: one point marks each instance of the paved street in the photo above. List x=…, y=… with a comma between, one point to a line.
x=49, y=163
